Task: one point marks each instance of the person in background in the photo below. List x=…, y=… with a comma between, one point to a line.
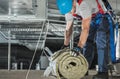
x=95, y=28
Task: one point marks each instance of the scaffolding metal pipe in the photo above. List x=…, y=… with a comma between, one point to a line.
x=9, y=50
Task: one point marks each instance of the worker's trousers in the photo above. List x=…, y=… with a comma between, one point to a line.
x=99, y=35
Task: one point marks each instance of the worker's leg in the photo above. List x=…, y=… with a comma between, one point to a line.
x=102, y=49
x=88, y=49
x=101, y=42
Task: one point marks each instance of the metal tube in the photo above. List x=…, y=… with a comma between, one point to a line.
x=21, y=65
x=9, y=50
x=72, y=39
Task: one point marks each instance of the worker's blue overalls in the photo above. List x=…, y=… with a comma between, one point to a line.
x=99, y=31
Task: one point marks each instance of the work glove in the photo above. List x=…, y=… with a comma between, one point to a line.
x=65, y=46
x=76, y=51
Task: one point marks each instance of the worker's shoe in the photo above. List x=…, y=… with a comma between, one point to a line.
x=101, y=75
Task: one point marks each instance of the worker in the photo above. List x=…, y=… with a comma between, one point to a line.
x=95, y=28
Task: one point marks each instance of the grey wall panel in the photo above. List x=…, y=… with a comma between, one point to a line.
x=4, y=7
x=23, y=10
x=41, y=11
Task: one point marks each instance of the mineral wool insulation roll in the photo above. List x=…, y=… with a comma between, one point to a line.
x=69, y=67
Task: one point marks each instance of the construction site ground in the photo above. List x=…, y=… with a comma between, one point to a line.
x=36, y=74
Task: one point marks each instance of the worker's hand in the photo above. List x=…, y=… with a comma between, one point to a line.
x=65, y=46
x=76, y=51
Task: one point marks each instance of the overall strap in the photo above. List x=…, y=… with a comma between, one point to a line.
x=99, y=7
x=79, y=1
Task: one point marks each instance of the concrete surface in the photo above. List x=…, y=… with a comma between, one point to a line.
x=35, y=74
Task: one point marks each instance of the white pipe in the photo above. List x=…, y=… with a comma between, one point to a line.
x=118, y=46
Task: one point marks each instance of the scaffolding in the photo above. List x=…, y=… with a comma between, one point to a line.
x=30, y=23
